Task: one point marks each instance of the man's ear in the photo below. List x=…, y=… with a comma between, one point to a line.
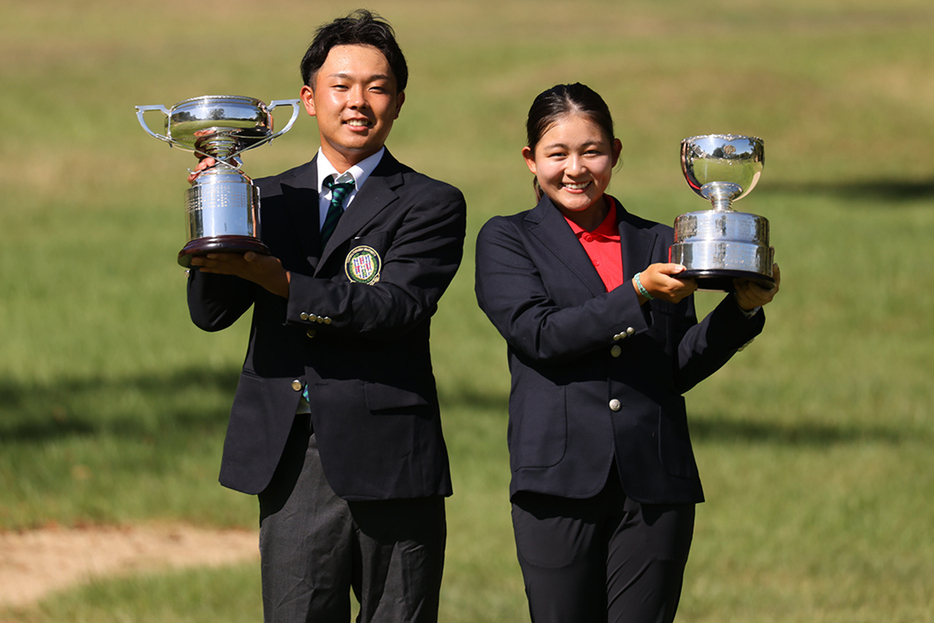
x=400, y=99
x=307, y=95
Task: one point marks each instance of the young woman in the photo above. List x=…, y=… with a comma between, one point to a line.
x=602, y=343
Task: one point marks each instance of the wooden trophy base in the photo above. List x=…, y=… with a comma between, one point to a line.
x=220, y=244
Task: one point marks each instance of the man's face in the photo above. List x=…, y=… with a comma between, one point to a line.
x=355, y=101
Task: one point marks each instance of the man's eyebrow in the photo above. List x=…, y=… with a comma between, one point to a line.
x=349, y=76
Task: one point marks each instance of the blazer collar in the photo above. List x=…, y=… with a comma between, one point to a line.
x=300, y=188
x=547, y=223
x=372, y=198
x=636, y=240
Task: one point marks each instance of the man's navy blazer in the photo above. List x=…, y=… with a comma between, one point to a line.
x=362, y=349
x=595, y=376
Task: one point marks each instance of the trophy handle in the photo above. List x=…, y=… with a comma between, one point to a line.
x=273, y=104
x=140, y=110
x=295, y=110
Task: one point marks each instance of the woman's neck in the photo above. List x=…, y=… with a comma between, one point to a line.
x=591, y=217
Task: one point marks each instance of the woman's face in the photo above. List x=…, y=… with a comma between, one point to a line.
x=574, y=162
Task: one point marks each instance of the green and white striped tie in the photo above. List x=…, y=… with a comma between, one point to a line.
x=339, y=192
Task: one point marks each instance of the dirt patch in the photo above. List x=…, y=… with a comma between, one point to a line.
x=35, y=563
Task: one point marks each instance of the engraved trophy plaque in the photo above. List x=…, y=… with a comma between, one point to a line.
x=223, y=203
x=719, y=245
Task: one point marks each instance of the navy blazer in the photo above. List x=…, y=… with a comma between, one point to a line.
x=596, y=376
x=362, y=349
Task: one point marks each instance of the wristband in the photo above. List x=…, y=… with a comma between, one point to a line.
x=640, y=287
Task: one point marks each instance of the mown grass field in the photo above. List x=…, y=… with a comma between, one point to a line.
x=815, y=444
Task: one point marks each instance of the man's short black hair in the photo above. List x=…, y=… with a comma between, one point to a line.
x=361, y=27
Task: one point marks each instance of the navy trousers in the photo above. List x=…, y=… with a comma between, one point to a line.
x=606, y=558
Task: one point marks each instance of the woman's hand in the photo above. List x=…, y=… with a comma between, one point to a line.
x=752, y=294
x=661, y=281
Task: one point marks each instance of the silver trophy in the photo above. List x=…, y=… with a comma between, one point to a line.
x=223, y=203
x=719, y=245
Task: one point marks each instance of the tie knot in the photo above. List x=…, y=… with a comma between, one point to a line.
x=338, y=187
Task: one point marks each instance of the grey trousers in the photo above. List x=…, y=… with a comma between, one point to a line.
x=316, y=547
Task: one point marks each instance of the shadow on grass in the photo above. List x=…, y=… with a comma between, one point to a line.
x=883, y=192
x=714, y=429
x=188, y=399
x=88, y=407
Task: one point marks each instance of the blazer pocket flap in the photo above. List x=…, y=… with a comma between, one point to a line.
x=380, y=397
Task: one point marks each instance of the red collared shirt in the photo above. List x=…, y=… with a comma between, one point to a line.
x=602, y=246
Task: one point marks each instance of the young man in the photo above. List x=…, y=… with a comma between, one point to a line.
x=335, y=424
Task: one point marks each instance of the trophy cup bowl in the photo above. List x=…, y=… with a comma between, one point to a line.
x=222, y=202
x=719, y=245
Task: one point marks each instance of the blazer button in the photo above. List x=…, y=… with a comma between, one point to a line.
x=616, y=350
x=310, y=333
x=297, y=385
x=630, y=331
x=615, y=405
x=303, y=315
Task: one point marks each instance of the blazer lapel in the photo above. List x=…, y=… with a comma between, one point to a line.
x=636, y=243
x=301, y=198
x=547, y=224
x=377, y=193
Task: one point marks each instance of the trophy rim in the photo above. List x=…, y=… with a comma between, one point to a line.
x=731, y=137
x=243, y=98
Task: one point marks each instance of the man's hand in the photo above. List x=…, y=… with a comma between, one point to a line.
x=264, y=270
x=203, y=163
x=661, y=281
x=751, y=294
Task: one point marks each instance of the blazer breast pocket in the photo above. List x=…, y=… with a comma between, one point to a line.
x=377, y=240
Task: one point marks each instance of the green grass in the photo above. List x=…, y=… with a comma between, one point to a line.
x=814, y=444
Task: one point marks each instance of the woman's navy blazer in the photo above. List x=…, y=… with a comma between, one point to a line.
x=596, y=376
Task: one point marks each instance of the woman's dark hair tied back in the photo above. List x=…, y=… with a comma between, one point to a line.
x=561, y=100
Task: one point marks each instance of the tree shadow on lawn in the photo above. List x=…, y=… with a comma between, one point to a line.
x=38, y=413
x=882, y=192
x=82, y=407
x=718, y=429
